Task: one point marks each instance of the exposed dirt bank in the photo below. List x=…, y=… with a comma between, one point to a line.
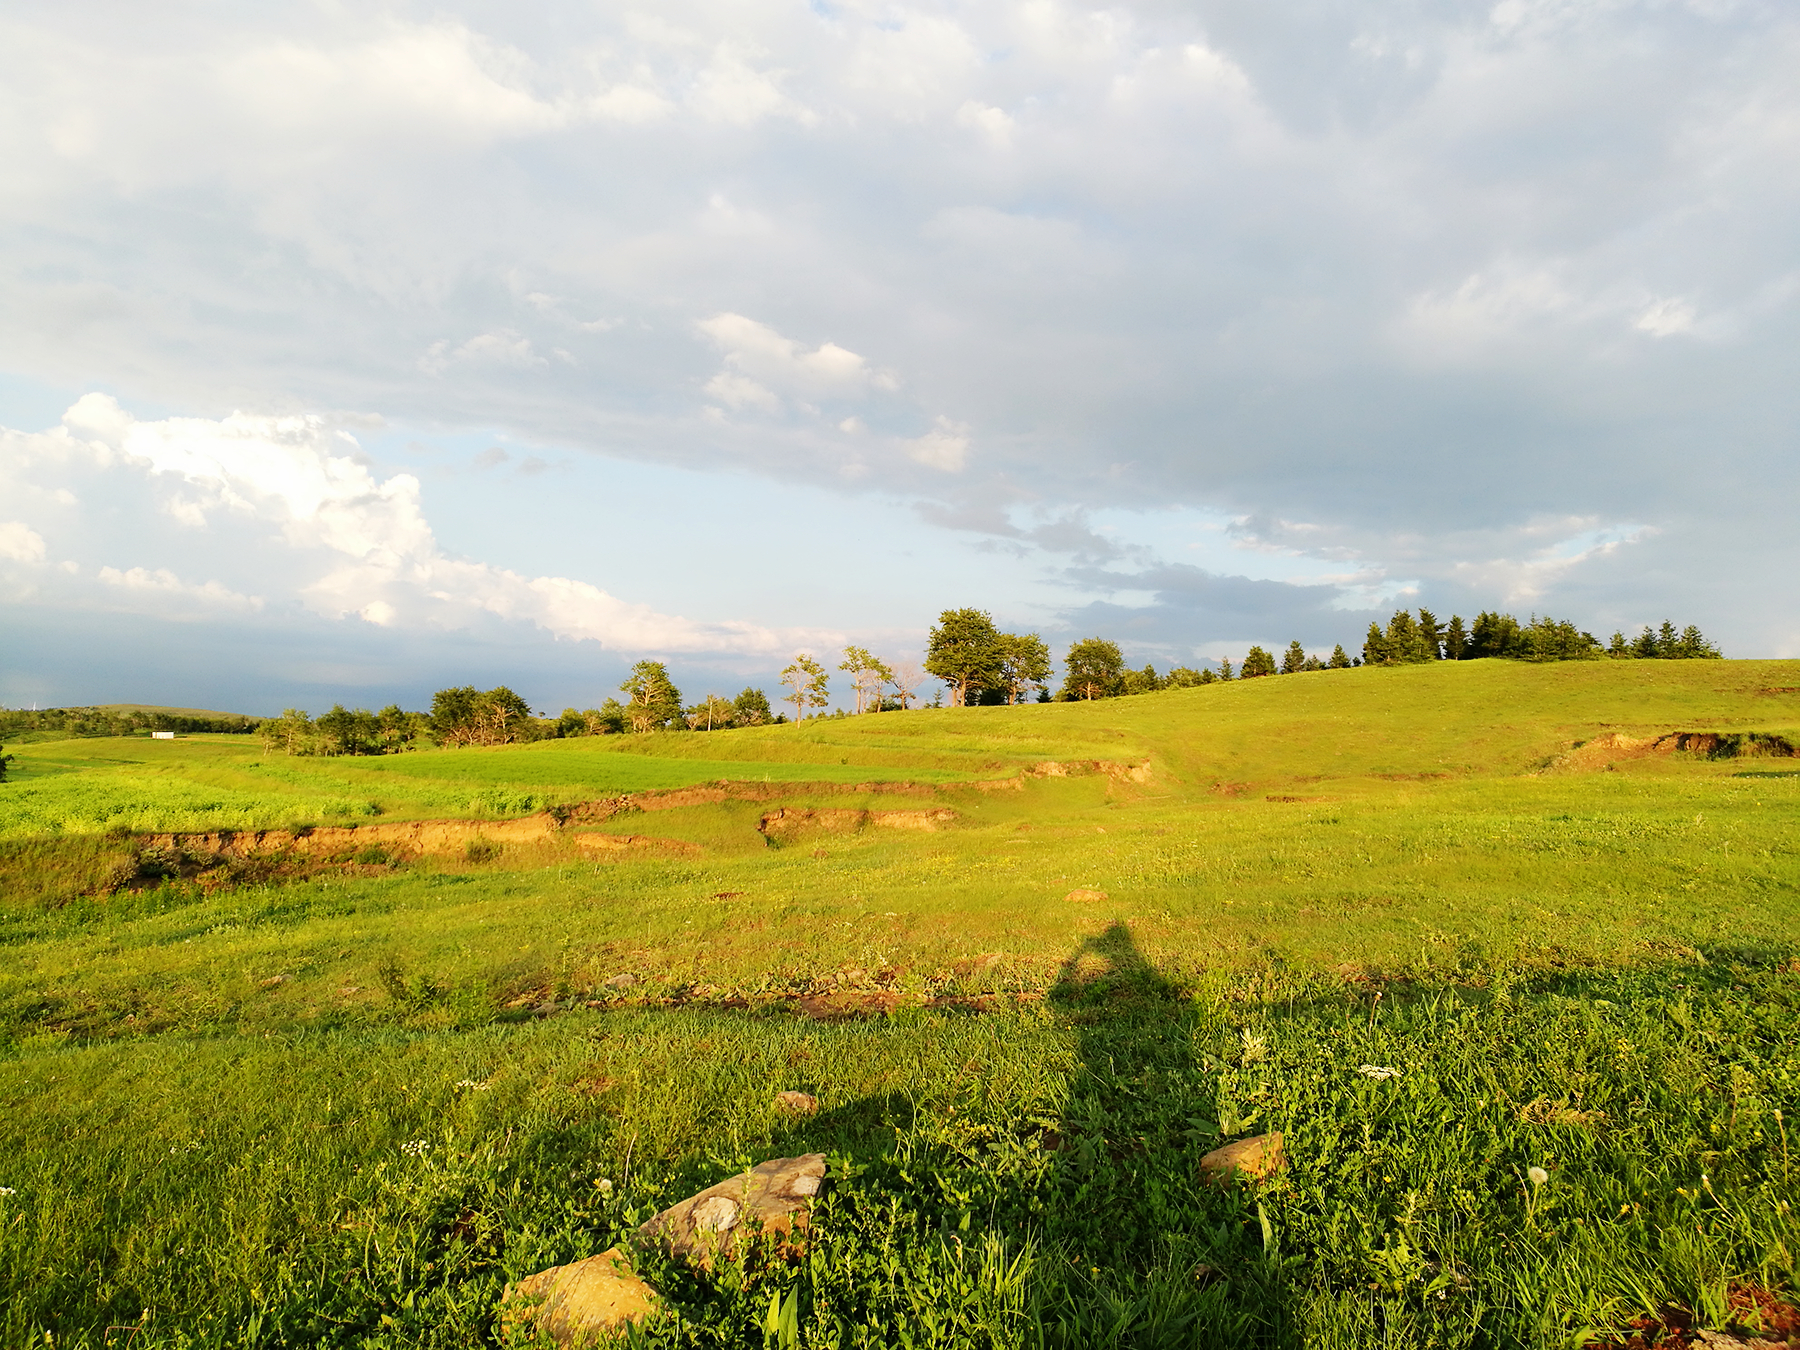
x=1613, y=746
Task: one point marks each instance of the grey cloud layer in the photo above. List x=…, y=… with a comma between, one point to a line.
x=1495, y=299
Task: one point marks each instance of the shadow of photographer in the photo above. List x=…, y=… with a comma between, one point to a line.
x=1072, y=1220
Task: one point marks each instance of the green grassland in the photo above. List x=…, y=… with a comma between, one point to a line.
x=344, y=1108
x=221, y=782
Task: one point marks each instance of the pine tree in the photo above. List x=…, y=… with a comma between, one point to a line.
x=1548, y=639
x=1294, y=659
x=1375, y=647
x=1257, y=663
x=1340, y=659
x=1456, y=640
x=1405, y=642
x=1225, y=668
x=1695, y=647
x=1494, y=634
x=1431, y=635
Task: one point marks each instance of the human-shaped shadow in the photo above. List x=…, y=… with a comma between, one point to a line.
x=1098, y=1179
x=1158, y=1244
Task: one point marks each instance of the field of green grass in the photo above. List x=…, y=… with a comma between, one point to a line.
x=345, y=1108
x=220, y=782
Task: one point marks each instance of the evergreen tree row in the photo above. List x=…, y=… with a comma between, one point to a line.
x=1407, y=640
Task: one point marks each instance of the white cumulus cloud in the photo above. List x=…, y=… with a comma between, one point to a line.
x=756, y=350
x=945, y=446
x=20, y=543
x=373, y=553
x=165, y=583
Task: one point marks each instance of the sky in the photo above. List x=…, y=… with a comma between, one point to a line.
x=352, y=351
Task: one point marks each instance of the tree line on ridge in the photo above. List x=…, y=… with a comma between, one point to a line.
x=976, y=663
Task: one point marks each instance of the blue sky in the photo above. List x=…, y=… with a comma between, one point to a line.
x=350, y=351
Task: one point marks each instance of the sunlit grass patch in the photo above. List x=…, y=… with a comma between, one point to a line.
x=1529, y=1037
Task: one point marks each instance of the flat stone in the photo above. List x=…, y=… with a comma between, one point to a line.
x=1254, y=1158
x=1085, y=895
x=622, y=981
x=775, y=1196
x=715, y=1214
x=581, y=1304
x=796, y=1103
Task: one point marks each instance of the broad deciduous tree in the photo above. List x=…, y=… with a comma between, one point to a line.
x=1094, y=668
x=810, y=686
x=868, y=676
x=964, y=652
x=469, y=716
x=713, y=713
x=652, y=700
x=906, y=679
x=1024, y=664
x=751, y=708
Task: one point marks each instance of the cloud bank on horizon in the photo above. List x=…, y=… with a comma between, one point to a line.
x=1196, y=325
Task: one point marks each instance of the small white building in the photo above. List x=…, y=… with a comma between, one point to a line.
x=162, y=735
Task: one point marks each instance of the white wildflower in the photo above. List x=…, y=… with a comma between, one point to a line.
x=604, y=1185
x=6, y=1191
x=1537, y=1175
x=416, y=1148
x=1378, y=1071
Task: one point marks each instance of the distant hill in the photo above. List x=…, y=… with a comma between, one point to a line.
x=154, y=708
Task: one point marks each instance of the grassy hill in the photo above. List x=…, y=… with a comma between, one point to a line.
x=168, y=711
x=1458, y=720
x=1576, y=952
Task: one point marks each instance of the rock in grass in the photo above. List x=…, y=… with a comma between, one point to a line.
x=581, y=1304
x=1085, y=895
x=774, y=1196
x=1251, y=1159
x=796, y=1103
